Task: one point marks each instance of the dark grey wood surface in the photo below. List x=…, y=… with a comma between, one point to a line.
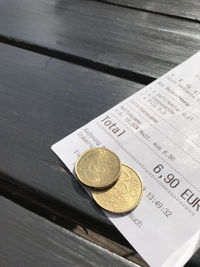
x=194, y=261
x=28, y=240
x=42, y=100
x=122, y=40
x=179, y=8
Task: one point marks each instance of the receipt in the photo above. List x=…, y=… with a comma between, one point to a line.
x=156, y=132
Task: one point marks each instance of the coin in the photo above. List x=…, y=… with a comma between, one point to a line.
x=124, y=195
x=98, y=168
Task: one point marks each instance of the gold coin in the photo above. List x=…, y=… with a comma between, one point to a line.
x=98, y=168
x=124, y=195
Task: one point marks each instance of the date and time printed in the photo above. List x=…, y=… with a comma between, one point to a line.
x=151, y=197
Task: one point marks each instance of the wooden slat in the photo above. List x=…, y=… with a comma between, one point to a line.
x=29, y=240
x=180, y=8
x=41, y=101
x=123, y=39
x=194, y=261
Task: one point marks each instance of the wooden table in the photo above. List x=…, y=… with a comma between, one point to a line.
x=64, y=62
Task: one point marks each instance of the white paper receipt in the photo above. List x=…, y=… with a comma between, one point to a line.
x=156, y=132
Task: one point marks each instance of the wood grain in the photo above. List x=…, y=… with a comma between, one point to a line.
x=41, y=101
x=96, y=33
x=30, y=240
x=179, y=8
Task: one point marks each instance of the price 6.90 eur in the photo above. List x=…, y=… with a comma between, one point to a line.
x=187, y=195
x=169, y=179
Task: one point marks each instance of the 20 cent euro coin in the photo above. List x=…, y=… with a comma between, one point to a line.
x=124, y=195
x=98, y=168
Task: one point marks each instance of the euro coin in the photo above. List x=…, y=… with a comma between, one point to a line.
x=124, y=195
x=98, y=168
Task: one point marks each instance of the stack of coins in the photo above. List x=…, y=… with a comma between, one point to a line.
x=114, y=186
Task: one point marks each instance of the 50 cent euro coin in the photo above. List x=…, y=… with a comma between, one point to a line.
x=124, y=195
